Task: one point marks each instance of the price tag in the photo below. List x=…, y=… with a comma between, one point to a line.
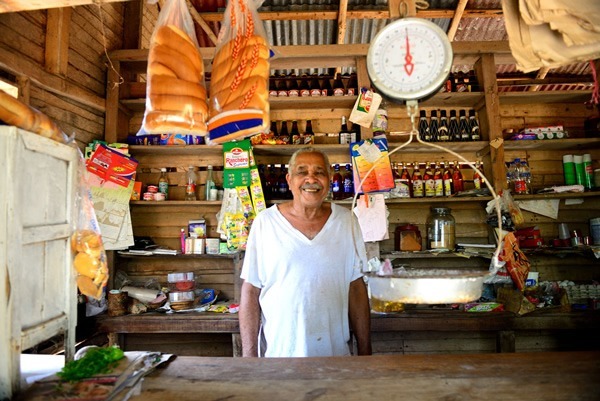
x=369, y=151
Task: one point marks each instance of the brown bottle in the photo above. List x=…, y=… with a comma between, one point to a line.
x=293, y=88
x=417, y=182
x=352, y=87
x=338, y=86
x=284, y=134
x=457, y=179
x=282, y=90
x=272, y=86
x=326, y=89
x=304, y=87
x=337, y=183
x=295, y=138
x=314, y=86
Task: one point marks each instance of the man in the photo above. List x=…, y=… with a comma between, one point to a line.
x=303, y=288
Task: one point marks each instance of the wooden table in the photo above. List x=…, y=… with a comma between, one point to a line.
x=541, y=376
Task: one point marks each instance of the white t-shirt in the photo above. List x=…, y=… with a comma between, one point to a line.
x=304, y=283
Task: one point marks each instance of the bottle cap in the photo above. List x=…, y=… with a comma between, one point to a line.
x=587, y=157
x=163, y=170
x=209, y=166
x=568, y=159
x=578, y=159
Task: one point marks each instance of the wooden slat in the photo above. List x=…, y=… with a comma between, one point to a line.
x=57, y=40
x=458, y=14
x=342, y=21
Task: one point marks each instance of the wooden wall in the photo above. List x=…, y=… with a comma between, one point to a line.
x=58, y=59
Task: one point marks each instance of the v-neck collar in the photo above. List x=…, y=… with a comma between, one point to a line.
x=299, y=233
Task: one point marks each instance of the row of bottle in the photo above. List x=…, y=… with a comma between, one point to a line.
x=292, y=135
x=313, y=85
x=191, y=178
x=436, y=180
x=453, y=129
x=461, y=82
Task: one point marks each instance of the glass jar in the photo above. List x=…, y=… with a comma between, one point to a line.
x=440, y=229
x=407, y=238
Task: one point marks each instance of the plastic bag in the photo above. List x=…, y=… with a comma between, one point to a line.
x=517, y=263
x=89, y=256
x=239, y=85
x=233, y=222
x=176, y=99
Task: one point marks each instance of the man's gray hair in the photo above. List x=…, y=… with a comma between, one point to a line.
x=308, y=149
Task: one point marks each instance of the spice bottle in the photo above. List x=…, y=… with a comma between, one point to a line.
x=190, y=187
x=440, y=229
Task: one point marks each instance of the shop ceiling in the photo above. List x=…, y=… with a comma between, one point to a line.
x=314, y=22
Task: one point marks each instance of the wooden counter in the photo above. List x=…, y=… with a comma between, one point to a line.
x=544, y=376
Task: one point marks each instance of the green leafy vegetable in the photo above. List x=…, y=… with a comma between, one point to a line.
x=95, y=361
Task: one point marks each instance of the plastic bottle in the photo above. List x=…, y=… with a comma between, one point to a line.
x=163, y=183
x=569, y=169
x=526, y=174
x=438, y=179
x=337, y=183
x=190, y=187
x=477, y=179
x=519, y=185
x=210, y=182
x=589, y=171
x=429, y=181
x=447, y=178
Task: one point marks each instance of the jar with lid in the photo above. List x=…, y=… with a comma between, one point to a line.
x=440, y=229
x=407, y=237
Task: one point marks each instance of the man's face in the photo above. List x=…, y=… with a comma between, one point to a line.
x=309, y=179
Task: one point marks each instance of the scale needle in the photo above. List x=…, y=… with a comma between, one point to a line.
x=408, y=66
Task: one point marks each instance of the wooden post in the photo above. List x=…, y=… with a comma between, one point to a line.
x=57, y=40
x=111, y=121
x=505, y=341
x=489, y=119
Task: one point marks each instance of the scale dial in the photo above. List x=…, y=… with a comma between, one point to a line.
x=409, y=59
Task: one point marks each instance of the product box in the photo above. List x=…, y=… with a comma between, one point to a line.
x=137, y=191
x=165, y=139
x=197, y=228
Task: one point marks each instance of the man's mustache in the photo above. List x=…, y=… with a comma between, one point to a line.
x=312, y=186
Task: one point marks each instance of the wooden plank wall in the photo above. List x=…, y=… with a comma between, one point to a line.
x=90, y=28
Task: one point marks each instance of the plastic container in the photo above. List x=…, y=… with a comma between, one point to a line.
x=579, y=170
x=407, y=237
x=441, y=229
x=181, y=281
x=569, y=169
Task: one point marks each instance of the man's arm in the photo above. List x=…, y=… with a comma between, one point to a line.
x=249, y=316
x=360, y=316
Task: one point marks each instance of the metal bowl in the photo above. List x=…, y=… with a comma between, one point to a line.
x=427, y=286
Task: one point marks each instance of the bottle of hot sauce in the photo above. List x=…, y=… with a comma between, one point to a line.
x=406, y=180
x=457, y=179
x=447, y=177
x=429, y=181
x=417, y=182
x=438, y=180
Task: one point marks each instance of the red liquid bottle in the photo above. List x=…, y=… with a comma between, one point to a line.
x=457, y=179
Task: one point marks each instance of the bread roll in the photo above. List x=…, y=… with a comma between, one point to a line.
x=165, y=85
x=157, y=68
x=251, y=87
x=88, y=288
x=176, y=61
x=186, y=105
x=260, y=68
x=171, y=36
x=165, y=122
x=86, y=264
x=233, y=49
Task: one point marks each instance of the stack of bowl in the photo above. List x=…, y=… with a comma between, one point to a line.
x=181, y=290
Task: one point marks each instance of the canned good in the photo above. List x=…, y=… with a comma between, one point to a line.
x=148, y=196
x=152, y=189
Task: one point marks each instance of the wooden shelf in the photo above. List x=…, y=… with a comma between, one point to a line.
x=234, y=256
x=175, y=203
x=545, y=97
x=553, y=144
x=567, y=195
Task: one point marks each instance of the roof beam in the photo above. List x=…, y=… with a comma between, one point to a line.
x=460, y=10
x=343, y=10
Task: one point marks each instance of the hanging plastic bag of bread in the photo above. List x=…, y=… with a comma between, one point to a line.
x=239, y=83
x=176, y=100
x=89, y=256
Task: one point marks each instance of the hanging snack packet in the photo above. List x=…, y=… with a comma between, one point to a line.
x=176, y=100
x=239, y=85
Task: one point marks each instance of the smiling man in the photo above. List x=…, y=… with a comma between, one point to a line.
x=303, y=290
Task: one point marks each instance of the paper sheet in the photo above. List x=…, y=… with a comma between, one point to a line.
x=545, y=207
x=372, y=218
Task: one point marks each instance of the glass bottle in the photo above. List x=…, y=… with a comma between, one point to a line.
x=293, y=88
x=429, y=181
x=294, y=138
x=477, y=179
x=326, y=89
x=441, y=229
x=352, y=87
x=443, y=134
x=163, y=183
x=284, y=133
x=304, y=87
x=447, y=178
x=474, y=126
x=344, y=134
x=273, y=130
x=314, y=86
x=271, y=189
x=438, y=178
x=272, y=86
x=355, y=134
x=338, y=86
x=337, y=183
x=433, y=127
x=282, y=185
x=417, y=182
x=463, y=126
x=348, y=182
x=190, y=186
x=457, y=178
x=453, y=129
x=424, y=127
x=406, y=181
x=309, y=136
x=282, y=90
x=210, y=182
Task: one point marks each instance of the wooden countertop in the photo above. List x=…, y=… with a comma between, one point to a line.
x=545, y=376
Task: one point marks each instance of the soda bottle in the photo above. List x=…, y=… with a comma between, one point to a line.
x=309, y=136
x=519, y=184
x=417, y=182
x=272, y=86
x=433, y=127
x=163, y=183
x=190, y=187
x=526, y=174
x=284, y=134
x=457, y=178
x=294, y=138
x=282, y=185
x=443, y=134
x=429, y=181
x=352, y=87
x=355, y=133
x=271, y=189
x=304, y=87
x=338, y=86
x=348, y=182
x=210, y=182
x=438, y=178
x=326, y=89
x=447, y=178
x=453, y=129
x=463, y=126
x=474, y=126
x=293, y=88
x=337, y=183
x=314, y=86
x=423, y=127
x=344, y=134
x=477, y=179
x=282, y=90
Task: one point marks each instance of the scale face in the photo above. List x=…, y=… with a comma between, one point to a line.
x=409, y=59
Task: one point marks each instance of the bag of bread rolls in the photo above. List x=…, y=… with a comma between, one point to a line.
x=239, y=84
x=176, y=100
x=89, y=256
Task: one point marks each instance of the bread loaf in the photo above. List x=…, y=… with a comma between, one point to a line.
x=176, y=99
x=89, y=262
